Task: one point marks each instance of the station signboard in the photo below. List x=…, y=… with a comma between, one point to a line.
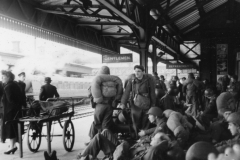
x=117, y=58
x=180, y=66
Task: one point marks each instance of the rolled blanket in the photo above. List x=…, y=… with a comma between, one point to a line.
x=106, y=86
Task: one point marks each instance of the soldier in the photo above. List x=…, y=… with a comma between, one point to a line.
x=210, y=108
x=191, y=89
x=110, y=147
x=107, y=142
x=142, y=98
x=155, y=116
x=234, y=127
x=169, y=100
x=104, y=109
x=48, y=90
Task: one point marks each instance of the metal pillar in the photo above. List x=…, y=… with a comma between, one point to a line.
x=143, y=56
x=144, y=59
x=154, y=57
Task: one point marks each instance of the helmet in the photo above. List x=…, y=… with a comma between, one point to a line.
x=208, y=92
x=123, y=116
x=155, y=111
x=234, y=118
x=200, y=151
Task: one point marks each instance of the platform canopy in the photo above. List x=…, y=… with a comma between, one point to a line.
x=153, y=28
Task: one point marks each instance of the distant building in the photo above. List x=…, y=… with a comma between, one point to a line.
x=74, y=70
x=10, y=59
x=69, y=69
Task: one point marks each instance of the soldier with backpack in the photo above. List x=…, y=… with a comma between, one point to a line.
x=142, y=97
x=191, y=89
x=105, y=90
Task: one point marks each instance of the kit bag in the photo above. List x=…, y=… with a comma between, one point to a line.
x=142, y=100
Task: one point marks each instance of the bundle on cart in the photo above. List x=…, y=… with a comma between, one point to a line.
x=54, y=108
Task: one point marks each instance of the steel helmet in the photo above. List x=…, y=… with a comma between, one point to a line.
x=234, y=118
x=209, y=92
x=123, y=116
x=155, y=111
x=200, y=151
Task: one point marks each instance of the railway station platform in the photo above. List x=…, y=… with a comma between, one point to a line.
x=82, y=122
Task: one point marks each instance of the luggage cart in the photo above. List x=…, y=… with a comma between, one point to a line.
x=34, y=131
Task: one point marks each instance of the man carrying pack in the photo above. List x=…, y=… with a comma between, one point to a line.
x=191, y=89
x=142, y=89
x=104, y=101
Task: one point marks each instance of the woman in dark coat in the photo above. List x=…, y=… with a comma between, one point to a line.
x=11, y=101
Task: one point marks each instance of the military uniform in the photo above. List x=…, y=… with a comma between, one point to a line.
x=191, y=89
x=161, y=126
x=210, y=111
x=229, y=143
x=108, y=143
x=144, y=86
x=102, y=119
x=168, y=102
x=103, y=111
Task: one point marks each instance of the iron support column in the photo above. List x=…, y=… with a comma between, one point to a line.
x=143, y=56
x=154, y=57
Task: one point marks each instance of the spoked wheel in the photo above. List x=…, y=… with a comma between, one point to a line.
x=68, y=135
x=34, y=137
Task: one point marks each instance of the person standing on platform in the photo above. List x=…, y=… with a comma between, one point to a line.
x=160, y=89
x=191, y=89
x=12, y=105
x=48, y=90
x=22, y=86
x=142, y=89
x=106, y=90
x=21, y=80
x=1, y=113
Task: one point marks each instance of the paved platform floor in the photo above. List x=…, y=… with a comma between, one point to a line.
x=81, y=125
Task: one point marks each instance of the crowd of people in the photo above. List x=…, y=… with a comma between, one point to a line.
x=13, y=100
x=145, y=117
x=180, y=119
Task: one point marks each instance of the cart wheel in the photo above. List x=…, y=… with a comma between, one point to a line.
x=34, y=137
x=68, y=135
